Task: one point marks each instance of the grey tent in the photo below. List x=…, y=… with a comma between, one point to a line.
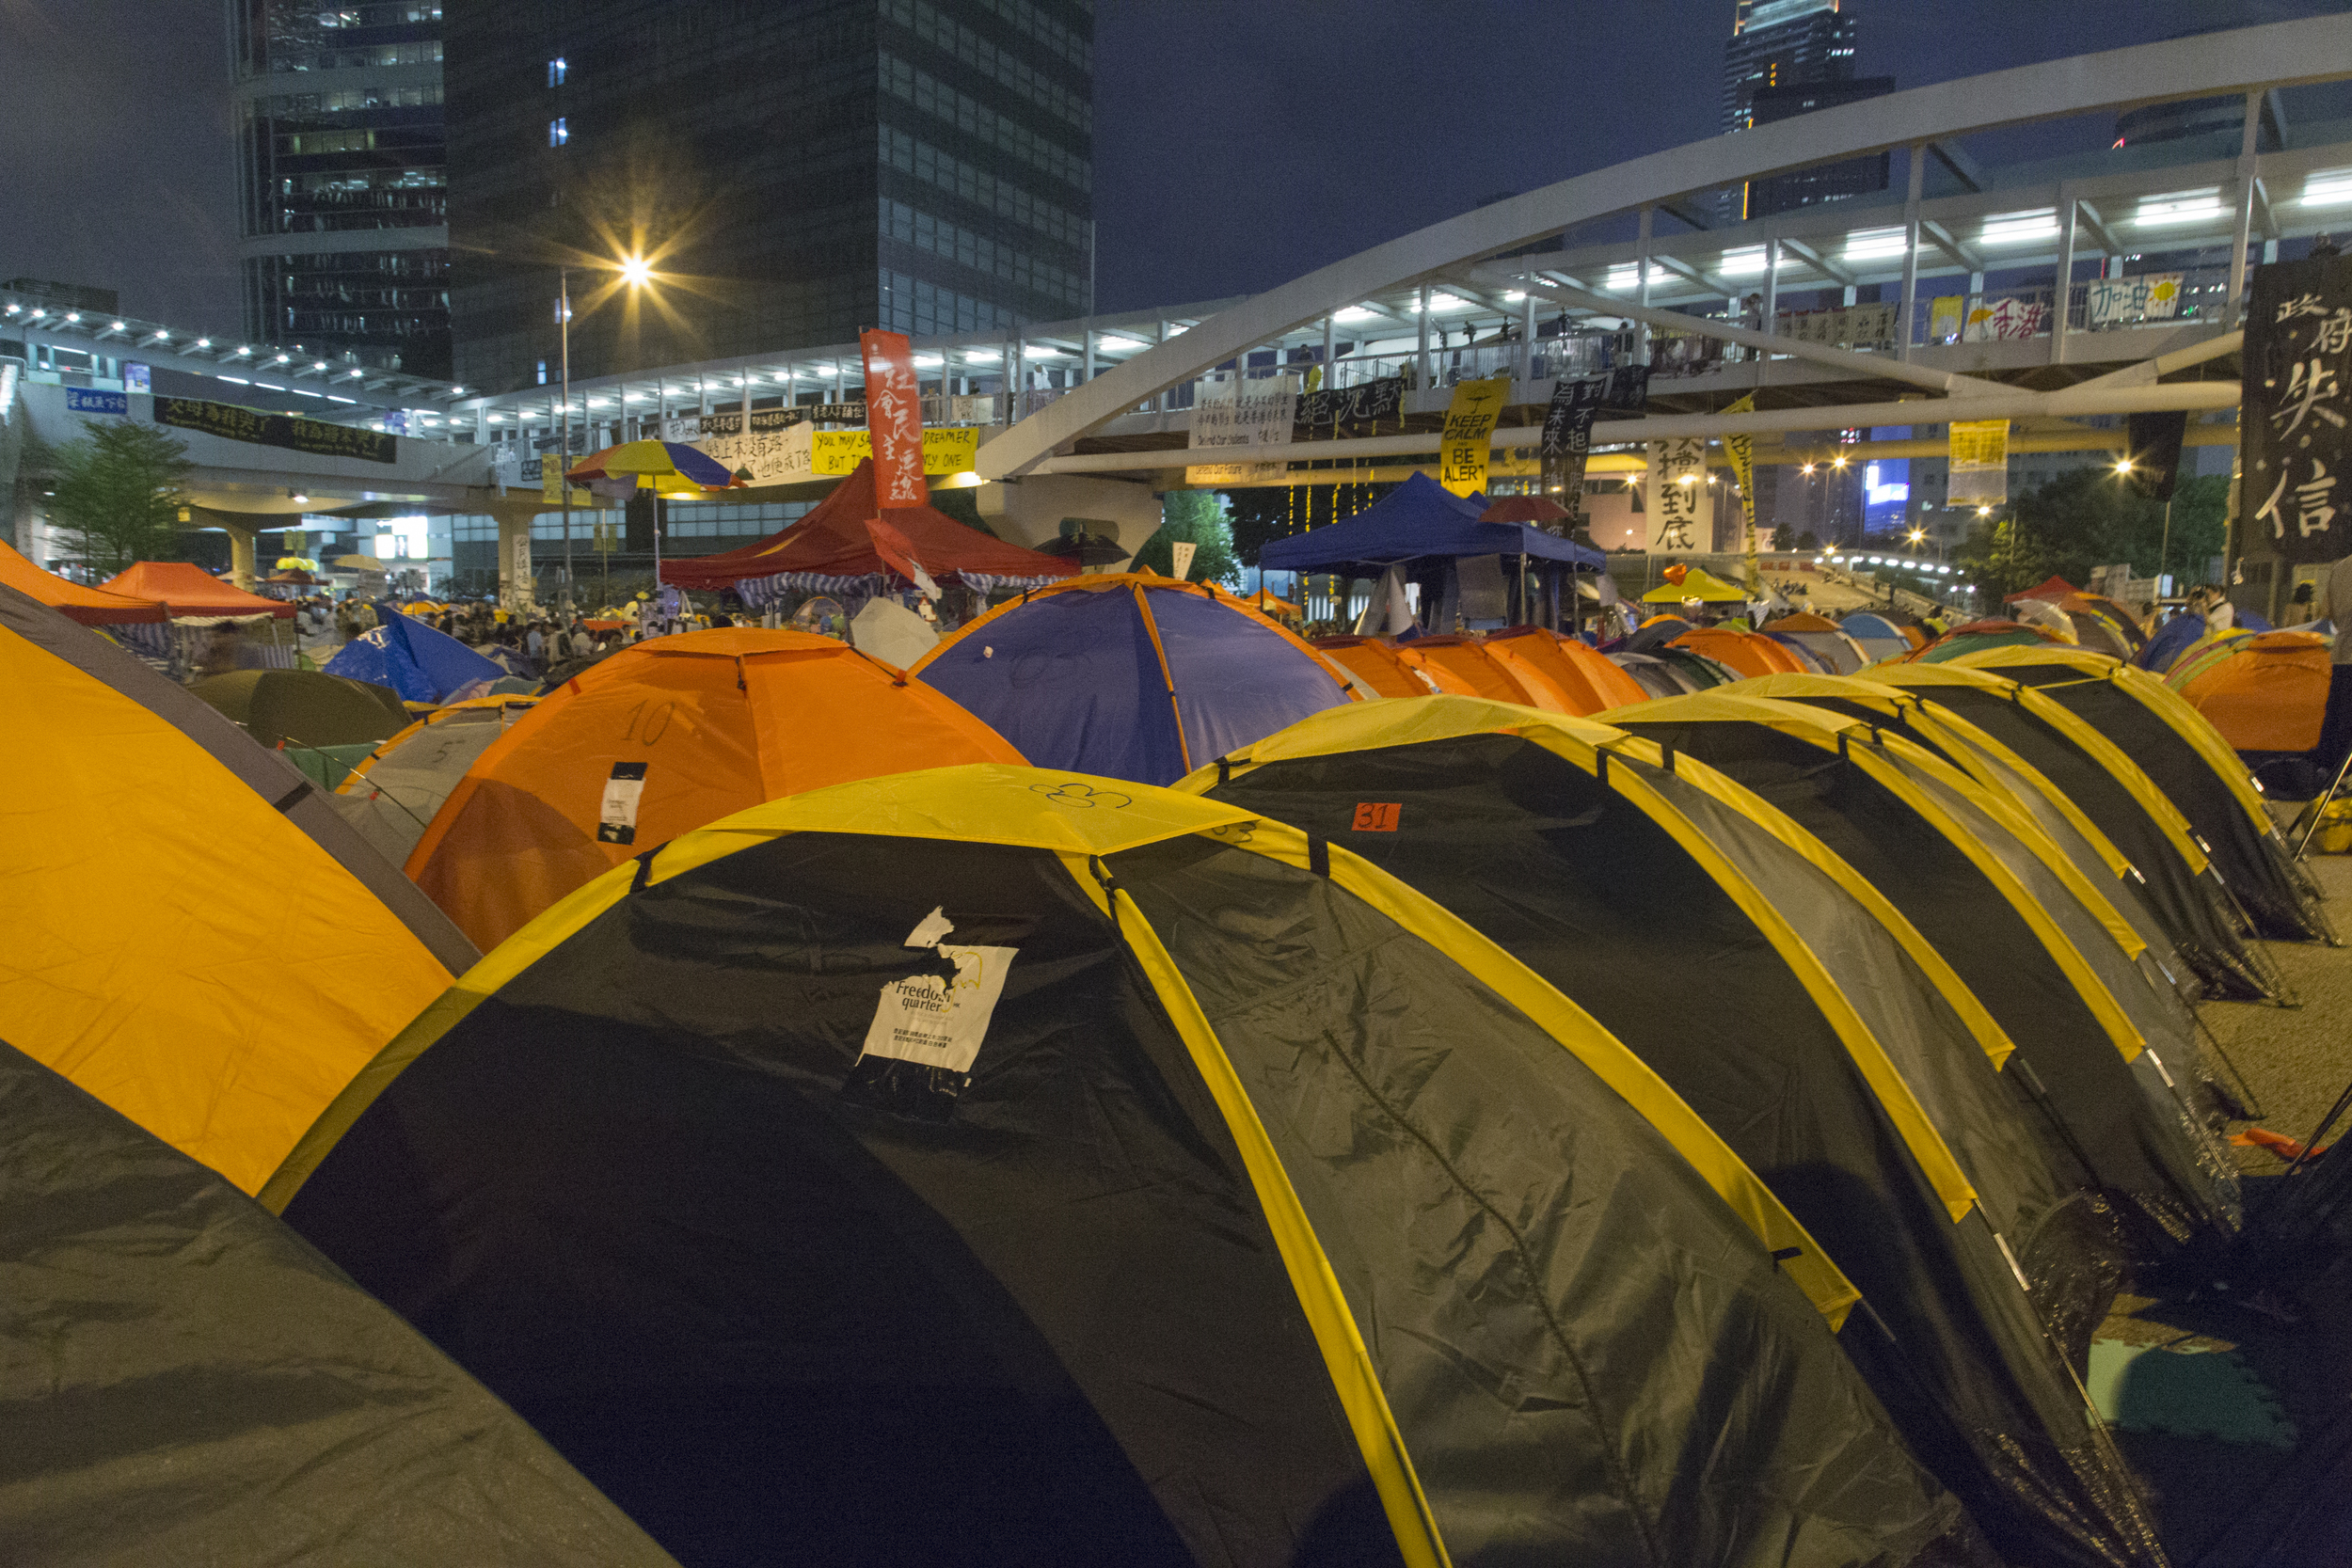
x=183, y=1379
x=392, y=795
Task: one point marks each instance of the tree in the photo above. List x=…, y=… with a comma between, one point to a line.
x=1196, y=517
x=1784, y=537
x=2092, y=517
x=1807, y=540
x=119, y=493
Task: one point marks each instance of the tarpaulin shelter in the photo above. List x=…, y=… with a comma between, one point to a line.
x=1745, y=652
x=190, y=933
x=1829, y=645
x=193, y=594
x=184, y=1380
x=2003, y=906
x=2011, y=777
x=664, y=736
x=1423, y=528
x=392, y=795
x=2195, y=768
x=2116, y=796
x=834, y=550
x=1577, y=850
x=2170, y=643
x=1131, y=673
x=89, y=607
x=1581, y=678
x=2264, y=692
x=421, y=664
x=1878, y=637
x=1375, y=666
x=304, y=707
x=1002, y=1166
x=1976, y=636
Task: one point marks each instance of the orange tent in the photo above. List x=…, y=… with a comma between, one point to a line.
x=89, y=607
x=1748, y=653
x=1375, y=667
x=1462, y=665
x=2267, y=694
x=191, y=592
x=665, y=737
x=1580, y=679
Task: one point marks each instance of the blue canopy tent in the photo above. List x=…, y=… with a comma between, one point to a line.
x=421, y=664
x=1424, y=528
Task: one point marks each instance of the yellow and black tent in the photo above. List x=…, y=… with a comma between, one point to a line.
x=2113, y=792
x=993, y=1165
x=183, y=1381
x=2179, y=749
x=188, y=930
x=1791, y=1016
x=2006, y=908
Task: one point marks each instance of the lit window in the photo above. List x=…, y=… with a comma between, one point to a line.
x=555, y=72
x=543, y=373
x=558, y=133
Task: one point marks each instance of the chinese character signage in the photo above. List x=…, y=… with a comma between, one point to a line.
x=1979, y=458
x=1244, y=422
x=894, y=418
x=78, y=401
x=1568, y=442
x=2121, y=301
x=1741, y=450
x=551, y=483
x=802, y=452
x=1680, y=513
x=232, y=424
x=1366, y=401
x=2292, y=418
x=1468, y=438
x=1993, y=320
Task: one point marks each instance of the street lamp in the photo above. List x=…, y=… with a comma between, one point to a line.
x=637, y=272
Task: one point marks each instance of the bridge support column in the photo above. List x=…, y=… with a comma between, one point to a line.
x=241, y=565
x=516, y=586
x=1030, y=511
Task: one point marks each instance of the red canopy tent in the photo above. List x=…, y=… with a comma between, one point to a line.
x=90, y=607
x=2054, y=589
x=191, y=592
x=833, y=549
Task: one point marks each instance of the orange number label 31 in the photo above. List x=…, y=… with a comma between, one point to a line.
x=1377, y=816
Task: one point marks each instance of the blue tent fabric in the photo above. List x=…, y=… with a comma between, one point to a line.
x=1420, y=518
x=421, y=664
x=1863, y=624
x=2173, y=639
x=1071, y=680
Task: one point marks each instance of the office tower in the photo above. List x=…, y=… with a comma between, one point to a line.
x=1810, y=187
x=795, y=169
x=342, y=176
x=1776, y=45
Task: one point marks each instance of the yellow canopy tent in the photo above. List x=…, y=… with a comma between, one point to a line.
x=1699, y=584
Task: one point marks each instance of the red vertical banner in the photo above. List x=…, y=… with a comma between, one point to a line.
x=894, y=413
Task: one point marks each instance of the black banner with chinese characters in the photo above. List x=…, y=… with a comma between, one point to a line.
x=1378, y=399
x=1628, y=389
x=294, y=434
x=1568, y=441
x=765, y=419
x=2292, y=414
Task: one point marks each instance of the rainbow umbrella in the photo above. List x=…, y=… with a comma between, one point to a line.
x=665, y=467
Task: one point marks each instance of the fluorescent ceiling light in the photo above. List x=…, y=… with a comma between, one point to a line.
x=1875, y=245
x=238, y=379
x=332, y=398
x=1623, y=277
x=1749, y=262
x=2327, y=187
x=1351, y=313
x=1513, y=296
x=2202, y=205
x=2018, y=228
x=982, y=355
x=1120, y=345
x=1443, y=302
x=927, y=361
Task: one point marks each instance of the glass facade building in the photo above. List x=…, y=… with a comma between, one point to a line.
x=342, y=169
x=794, y=169
x=1777, y=45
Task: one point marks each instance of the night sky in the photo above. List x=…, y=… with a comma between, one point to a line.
x=1238, y=143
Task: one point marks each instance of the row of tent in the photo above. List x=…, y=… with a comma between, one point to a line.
x=1406, y=1139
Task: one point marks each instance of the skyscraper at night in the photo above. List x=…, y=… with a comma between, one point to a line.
x=1787, y=57
x=795, y=169
x=343, y=178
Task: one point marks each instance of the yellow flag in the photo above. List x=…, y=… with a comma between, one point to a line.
x=1470, y=428
x=1741, y=450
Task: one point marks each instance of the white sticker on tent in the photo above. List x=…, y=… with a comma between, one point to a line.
x=938, y=1022
x=616, y=819
x=934, y=925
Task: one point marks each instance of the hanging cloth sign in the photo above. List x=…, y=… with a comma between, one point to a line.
x=894, y=415
x=2293, y=410
x=1567, y=444
x=1979, y=463
x=1741, y=450
x=1680, y=509
x=1470, y=428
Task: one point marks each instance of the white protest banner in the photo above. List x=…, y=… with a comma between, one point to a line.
x=1246, y=422
x=1680, y=503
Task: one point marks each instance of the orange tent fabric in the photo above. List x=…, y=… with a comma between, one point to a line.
x=1803, y=620
x=1374, y=665
x=718, y=721
x=1462, y=665
x=1746, y=652
x=1579, y=678
x=191, y=590
x=2269, y=694
x=89, y=607
x=2053, y=588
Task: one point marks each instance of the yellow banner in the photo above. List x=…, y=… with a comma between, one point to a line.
x=1741, y=450
x=1470, y=428
x=809, y=453
x=551, y=484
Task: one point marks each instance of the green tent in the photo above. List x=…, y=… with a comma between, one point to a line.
x=304, y=707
